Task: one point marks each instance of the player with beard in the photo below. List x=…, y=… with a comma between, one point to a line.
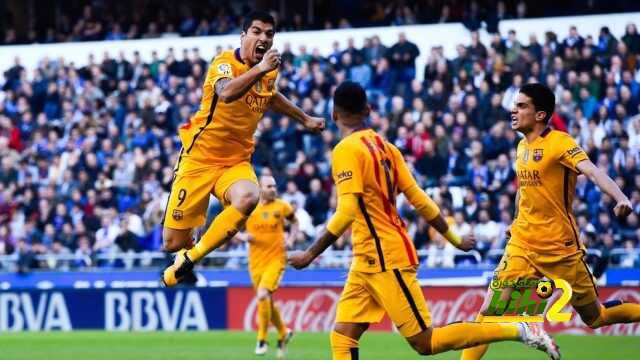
x=217, y=144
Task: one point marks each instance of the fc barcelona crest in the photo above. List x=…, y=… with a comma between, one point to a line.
x=276, y=215
x=537, y=154
x=177, y=215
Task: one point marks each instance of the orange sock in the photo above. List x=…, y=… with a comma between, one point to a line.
x=616, y=312
x=343, y=347
x=463, y=335
x=276, y=320
x=223, y=228
x=476, y=352
x=264, y=315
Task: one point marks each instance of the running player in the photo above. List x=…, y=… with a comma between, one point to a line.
x=217, y=144
x=369, y=172
x=544, y=235
x=267, y=259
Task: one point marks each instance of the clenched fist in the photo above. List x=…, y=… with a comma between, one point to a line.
x=300, y=259
x=468, y=242
x=623, y=208
x=270, y=61
x=314, y=124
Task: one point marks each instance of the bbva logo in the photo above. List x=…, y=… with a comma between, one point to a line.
x=19, y=312
x=144, y=310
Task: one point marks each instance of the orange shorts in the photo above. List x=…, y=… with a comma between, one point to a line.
x=192, y=185
x=520, y=263
x=368, y=296
x=269, y=277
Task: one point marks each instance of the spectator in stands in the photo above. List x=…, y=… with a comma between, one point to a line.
x=495, y=16
x=402, y=57
x=81, y=142
x=6, y=240
x=440, y=252
x=317, y=203
x=631, y=257
x=487, y=232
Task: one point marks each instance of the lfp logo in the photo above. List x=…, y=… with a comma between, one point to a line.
x=522, y=306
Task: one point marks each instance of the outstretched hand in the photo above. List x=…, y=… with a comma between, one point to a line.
x=299, y=259
x=468, y=242
x=623, y=209
x=314, y=124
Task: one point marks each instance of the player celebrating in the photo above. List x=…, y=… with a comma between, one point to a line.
x=369, y=172
x=217, y=144
x=544, y=234
x=267, y=258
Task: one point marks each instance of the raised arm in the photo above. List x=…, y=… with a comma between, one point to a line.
x=573, y=157
x=344, y=159
x=426, y=207
x=282, y=105
x=606, y=184
x=338, y=224
x=230, y=89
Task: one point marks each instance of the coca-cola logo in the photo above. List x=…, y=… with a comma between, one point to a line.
x=463, y=308
x=313, y=309
x=315, y=312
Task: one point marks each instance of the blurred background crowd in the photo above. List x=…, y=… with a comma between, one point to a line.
x=87, y=153
x=26, y=21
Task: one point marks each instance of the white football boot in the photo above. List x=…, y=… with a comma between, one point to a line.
x=534, y=335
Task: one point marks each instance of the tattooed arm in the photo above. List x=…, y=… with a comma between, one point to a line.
x=232, y=89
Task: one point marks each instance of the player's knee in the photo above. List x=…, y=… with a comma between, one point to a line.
x=173, y=241
x=246, y=199
x=593, y=321
x=421, y=343
x=421, y=347
x=263, y=294
x=594, y=314
x=170, y=244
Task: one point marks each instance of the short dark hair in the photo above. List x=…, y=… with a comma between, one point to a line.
x=263, y=16
x=542, y=97
x=350, y=97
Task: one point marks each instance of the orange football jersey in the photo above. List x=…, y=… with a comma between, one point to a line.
x=546, y=170
x=266, y=226
x=368, y=166
x=222, y=133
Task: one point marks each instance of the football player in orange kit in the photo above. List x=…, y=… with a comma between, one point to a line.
x=267, y=259
x=369, y=172
x=544, y=234
x=217, y=144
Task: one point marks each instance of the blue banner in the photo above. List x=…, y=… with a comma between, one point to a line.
x=311, y=277
x=114, y=309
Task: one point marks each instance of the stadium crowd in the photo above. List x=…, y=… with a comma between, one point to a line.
x=92, y=20
x=87, y=153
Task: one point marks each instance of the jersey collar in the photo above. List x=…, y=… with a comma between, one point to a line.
x=542, y=135
x=236, y=53
x=359, y=130
x=545, y=132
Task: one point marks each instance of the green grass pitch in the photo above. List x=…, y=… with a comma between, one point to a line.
x=228, y=345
